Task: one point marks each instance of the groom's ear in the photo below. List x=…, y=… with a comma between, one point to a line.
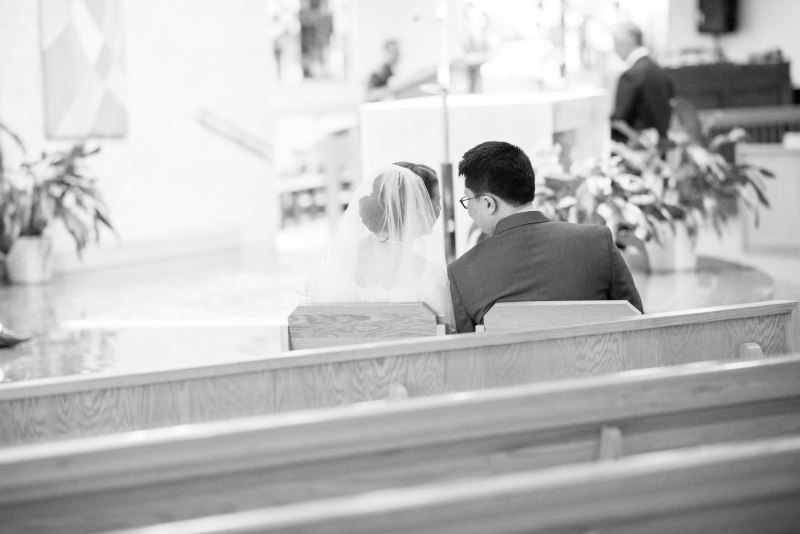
x=491, y=203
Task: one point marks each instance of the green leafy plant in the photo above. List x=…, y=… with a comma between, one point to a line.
x=54, y=186
x=693, y=173
x=647, y=184
x=609, y=194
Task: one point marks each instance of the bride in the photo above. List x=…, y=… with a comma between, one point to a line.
x=388, y=245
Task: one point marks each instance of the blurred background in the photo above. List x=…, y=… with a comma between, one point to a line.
x=230, y=134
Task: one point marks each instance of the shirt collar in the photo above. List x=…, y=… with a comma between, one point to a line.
x=636, y=55
x=519, y=219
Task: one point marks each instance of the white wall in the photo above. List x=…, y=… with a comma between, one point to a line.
x=170, y=179
x=21, y=96
x=763, y=25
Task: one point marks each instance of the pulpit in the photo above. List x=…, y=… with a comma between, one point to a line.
x=413, y=130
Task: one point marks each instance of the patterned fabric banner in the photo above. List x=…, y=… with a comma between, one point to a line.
x=82, y=56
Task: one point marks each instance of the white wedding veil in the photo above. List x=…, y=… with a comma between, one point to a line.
x=388, y=245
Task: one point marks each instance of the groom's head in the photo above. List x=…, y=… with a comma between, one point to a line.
x=498, y=181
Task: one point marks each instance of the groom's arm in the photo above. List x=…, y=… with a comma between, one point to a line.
x=622, y=285
x=463, y=320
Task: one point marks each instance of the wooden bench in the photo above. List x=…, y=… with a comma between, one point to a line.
x=101, y=483
x=724, y=489
x=521, y=316
x=106, y=403
x=312, y=326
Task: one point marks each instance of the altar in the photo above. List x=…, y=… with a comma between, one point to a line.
x=413, y=130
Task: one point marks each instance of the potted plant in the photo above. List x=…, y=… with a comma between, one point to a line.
x=40, y=191
x=656, y=195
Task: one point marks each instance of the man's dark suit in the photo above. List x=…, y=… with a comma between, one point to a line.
x=530, y=257
x=643, y=97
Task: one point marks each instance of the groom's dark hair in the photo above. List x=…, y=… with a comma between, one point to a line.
x=501, y=169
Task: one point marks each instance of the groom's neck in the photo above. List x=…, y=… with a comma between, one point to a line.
x=508, y=210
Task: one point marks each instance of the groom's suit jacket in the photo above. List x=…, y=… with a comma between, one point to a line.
x=531, y=257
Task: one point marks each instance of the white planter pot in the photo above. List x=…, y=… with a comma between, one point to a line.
x=30, y=260
x=676, y=252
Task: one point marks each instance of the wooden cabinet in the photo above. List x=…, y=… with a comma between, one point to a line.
x=727, y=85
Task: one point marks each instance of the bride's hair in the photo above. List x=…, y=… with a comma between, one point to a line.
x=372, y=208
x=427, y=174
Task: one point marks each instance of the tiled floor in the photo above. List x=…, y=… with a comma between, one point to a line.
x=191, y=311
x=203, y=310
x=783, y=267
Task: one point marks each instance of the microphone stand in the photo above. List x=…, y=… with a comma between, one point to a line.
x=446, y=175
x=447, y=187
x=442, y=87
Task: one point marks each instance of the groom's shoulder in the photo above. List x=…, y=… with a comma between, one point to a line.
x=563, y=228
x=476, y=255
x=584, y=228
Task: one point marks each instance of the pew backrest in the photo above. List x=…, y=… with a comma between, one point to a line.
x=69, y=407
x=521, y=316
x=732, y=489
x=295, y=457
x=345, y=323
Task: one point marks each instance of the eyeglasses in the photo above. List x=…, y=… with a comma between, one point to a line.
x=464, y=201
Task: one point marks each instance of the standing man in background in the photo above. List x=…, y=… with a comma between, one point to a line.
x=644, y=90
x=378, y=84
x=316, y=29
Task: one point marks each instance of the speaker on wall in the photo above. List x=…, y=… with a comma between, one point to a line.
x=717, y=16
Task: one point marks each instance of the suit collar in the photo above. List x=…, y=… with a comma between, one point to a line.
x=520, y=219
x=636, y=55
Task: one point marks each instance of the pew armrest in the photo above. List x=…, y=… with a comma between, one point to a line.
x=397, y=392
x=610, y=447
x=286, y=343
x=508, y=317
x=346, y=323
x=750, y=351
x=441, y=326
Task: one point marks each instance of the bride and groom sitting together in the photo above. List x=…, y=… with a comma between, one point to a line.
x=388, y=246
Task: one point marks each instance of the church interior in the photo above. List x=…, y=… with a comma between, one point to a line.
x=171, y=170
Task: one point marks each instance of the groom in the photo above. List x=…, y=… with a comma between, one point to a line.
x=528, y=256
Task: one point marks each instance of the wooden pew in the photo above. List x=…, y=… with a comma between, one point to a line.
x=724, y=489
x=521, y=316
x=312, y=326
x=107, y=403
x=95, y=484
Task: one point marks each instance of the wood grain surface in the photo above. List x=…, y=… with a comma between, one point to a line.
x=521, y=316
x=54, y=409
x=325, y=325
x=733, y=488
x=177, y=473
